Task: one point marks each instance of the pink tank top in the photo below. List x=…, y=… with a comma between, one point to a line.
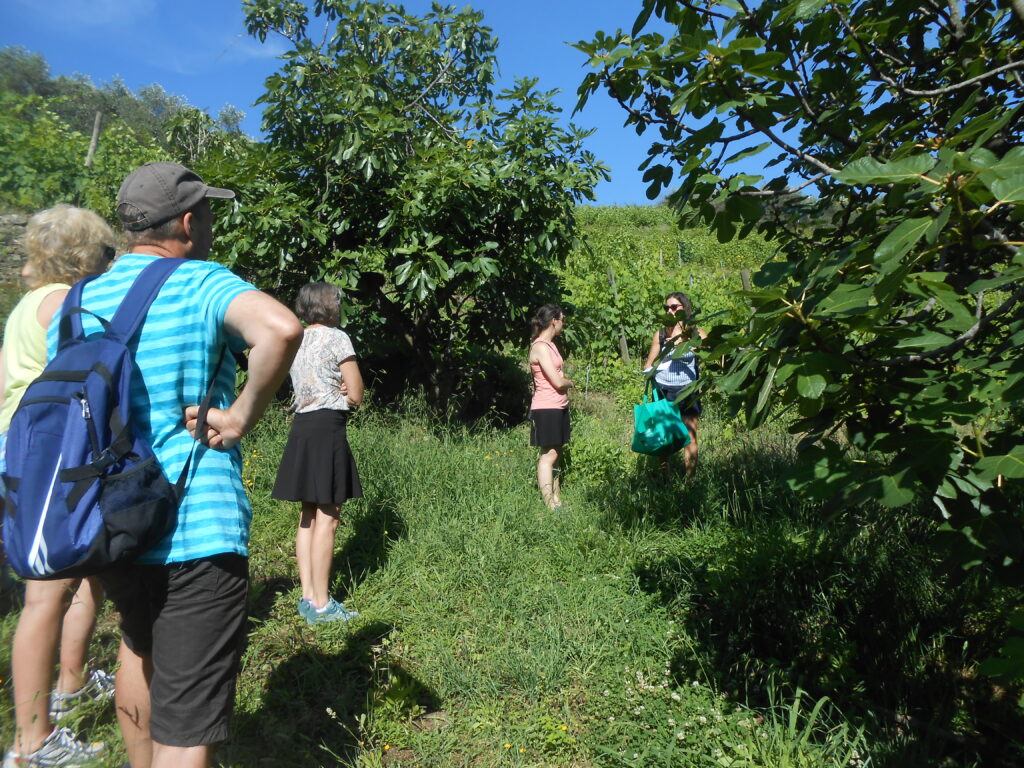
x=544, y=393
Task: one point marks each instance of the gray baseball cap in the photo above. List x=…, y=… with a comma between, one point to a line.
x=159, y=192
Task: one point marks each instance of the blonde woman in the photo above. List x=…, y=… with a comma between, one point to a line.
x=64, y=244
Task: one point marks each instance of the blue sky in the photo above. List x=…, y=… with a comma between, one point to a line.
x=198, y=49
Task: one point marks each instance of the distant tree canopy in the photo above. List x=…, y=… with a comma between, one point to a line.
x=76, y=100
x=46, y=124
x=892, y=319
x=394, y=169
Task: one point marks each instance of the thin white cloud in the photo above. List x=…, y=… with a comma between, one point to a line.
x=72, y=15
x=244, y=48
x=198, y=57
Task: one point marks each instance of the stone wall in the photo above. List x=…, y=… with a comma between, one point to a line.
x=12, y=249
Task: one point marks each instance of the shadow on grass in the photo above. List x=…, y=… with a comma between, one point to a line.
x=315, y=701
x=374, y=531
x=850, y=604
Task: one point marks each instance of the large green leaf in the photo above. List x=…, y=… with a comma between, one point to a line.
x=810, y=385
x=867, y=170
x=1008, y=465
x=1009, y=189
x=847, y=298
x=899, y=242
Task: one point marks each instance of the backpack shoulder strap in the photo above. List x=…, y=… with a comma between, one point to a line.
x=136, y=301
x=70, y=315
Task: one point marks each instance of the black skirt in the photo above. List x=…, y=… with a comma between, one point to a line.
x=549, y=427
x=317, y=465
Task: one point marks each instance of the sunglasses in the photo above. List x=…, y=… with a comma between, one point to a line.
x=673, y=307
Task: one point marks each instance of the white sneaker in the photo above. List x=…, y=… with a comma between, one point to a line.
x=60, y=750
x=99, y=686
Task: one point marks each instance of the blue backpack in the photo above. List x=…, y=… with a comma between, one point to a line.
x=83, y=490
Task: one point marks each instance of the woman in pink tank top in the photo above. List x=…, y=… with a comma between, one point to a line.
x=549, y=409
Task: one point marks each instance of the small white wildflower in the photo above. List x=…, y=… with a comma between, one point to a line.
x=676, y=696
x=671, y=721
x=695, y=683
x=701, y=719
x=681, y=736
x=611, y=718
x=606, y=692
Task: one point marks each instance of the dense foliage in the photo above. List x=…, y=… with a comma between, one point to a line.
x=395, y=170
x=46, y=126
x=891, y=320
x=76, y=99
x=628, y=259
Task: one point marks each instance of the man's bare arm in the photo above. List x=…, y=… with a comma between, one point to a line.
x=273, y=335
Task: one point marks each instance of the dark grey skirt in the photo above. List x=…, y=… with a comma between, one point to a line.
x=549, y=427
x=317, y=465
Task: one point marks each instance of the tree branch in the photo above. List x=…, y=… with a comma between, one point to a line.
x=866, y=47
x=782, y=192
x=983, y=321
x=783, y=145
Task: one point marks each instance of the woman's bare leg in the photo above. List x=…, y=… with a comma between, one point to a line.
x=690, y=451
x=79, y=622
x=32, y=658
x=547, y=481
x=325, y=526
x=304, y=548
x=314, y=550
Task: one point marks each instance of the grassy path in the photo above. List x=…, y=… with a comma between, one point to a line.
x=492, y=631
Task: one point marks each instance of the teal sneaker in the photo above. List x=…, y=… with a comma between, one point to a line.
x=333, y=611
x=305, y=607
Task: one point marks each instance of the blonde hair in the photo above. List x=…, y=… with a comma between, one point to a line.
x=65, y=244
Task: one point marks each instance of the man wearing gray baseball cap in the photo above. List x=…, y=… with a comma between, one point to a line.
x=160, y=192
x=182, y=604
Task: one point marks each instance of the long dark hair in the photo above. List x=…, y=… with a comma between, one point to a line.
x=543, y=317
x=683, y=299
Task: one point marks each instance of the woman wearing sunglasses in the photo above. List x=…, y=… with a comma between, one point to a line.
x=678, y=369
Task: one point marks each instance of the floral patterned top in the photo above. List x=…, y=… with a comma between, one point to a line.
x=316, y=370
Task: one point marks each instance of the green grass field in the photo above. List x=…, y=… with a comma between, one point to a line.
x=644, y=624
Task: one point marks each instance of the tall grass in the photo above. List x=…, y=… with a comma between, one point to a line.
x=647, y=623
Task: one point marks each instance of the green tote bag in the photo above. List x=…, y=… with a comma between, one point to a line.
x=659, y=428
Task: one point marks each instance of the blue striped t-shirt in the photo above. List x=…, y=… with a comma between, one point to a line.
x=175, y=351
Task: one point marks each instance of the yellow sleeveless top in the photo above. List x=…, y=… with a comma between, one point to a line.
x=24, y=355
